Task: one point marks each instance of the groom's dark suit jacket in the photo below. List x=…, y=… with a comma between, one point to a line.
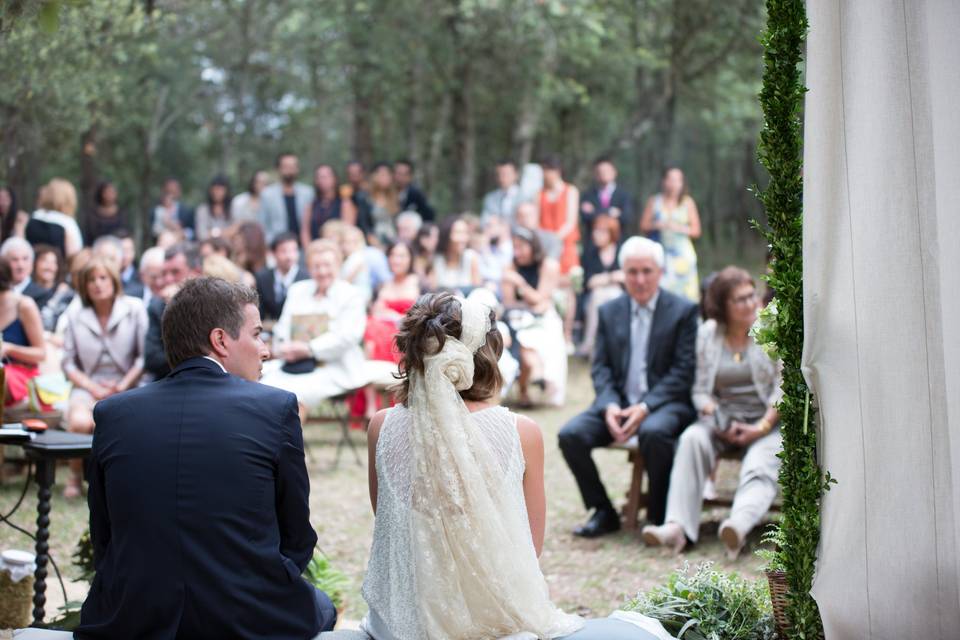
x=671, y=352
x=199, y=512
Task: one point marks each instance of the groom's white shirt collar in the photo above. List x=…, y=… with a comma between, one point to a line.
x=219, y=364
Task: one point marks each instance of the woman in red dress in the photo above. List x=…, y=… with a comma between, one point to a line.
x=393, y=300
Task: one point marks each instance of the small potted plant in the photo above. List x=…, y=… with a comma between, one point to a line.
x=709, y=605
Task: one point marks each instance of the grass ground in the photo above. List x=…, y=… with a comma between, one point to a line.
x=592, y=577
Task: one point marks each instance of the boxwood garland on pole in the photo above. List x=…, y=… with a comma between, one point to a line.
x=781, y=152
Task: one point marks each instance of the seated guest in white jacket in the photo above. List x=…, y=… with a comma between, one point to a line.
x=317, y=340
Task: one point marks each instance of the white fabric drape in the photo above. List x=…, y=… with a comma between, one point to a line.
x=882, y=311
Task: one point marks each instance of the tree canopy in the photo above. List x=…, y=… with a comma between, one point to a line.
x=136, y=90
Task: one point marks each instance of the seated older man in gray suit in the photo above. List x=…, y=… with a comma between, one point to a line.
x=643, y=369
x=283, y=203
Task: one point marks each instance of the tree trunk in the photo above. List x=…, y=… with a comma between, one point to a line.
x=88, y=174
x=463, y=120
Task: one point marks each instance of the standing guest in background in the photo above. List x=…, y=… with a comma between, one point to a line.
x=326, y=205
x=181, y=262
x=171, y=214
x=410, y=196
x=273, y=284
x=23, y=345
x=102, y=349
x=219, y=459
x=54, y=223
x=283, y=202
x=213, y=216
x=503, y=201
x=424, y=251
x=129, y=277
x=19, y=255
x=13, y=220
x=455, y=266
x=736, y=392
x=602, y=276
x=249, y=246
x=538, y=345
x=558, y=212
x=317, y=338
x=384, y=204
x=151, y=273
x=357, y=191
x=408, y=226
x=672, y=216
x=643, y=369
x=106, y=218
x=246, y=207
x=605, y=197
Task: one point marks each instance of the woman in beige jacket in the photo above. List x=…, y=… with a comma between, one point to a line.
x=735, y=392
x=102, y=348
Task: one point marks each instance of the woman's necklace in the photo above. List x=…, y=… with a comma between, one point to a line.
x=736, y=353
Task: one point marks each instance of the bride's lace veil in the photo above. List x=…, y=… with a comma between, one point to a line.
x=476, y=571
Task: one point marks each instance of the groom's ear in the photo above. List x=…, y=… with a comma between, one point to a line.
x=218, y=342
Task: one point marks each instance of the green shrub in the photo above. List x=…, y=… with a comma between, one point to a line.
x=321, y=574
x=709, y=605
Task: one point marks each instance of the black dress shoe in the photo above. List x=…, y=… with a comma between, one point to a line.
x=602, y=522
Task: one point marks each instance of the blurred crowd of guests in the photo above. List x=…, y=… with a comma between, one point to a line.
x=336, y=265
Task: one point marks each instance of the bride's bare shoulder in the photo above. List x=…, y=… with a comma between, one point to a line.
x=376, y=423
x=530, y=432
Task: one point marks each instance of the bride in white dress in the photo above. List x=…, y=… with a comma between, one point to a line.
x=456, y=484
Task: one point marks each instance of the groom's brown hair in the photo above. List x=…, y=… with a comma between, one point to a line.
x=437, y=316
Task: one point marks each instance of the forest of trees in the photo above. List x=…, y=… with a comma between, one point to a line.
x=136, y=90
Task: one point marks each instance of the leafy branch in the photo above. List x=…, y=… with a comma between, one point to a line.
x=781, y=152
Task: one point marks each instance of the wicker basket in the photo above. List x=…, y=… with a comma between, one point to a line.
x=778, y=597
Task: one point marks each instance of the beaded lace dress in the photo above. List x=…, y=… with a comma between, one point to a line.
x=452, y=555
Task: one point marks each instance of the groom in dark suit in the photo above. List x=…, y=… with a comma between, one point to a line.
x=643, y=368
x=199, y=493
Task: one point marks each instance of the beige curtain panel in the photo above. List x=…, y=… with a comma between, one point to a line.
x=882, y=311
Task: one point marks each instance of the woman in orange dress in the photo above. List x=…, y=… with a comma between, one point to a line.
x=558, y=213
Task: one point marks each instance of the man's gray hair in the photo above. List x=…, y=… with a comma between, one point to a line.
x=640, y=247
x=14, y=243
x=410, y=215
x=151, y=257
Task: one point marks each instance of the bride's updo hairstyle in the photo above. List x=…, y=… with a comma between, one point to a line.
x=434, y=317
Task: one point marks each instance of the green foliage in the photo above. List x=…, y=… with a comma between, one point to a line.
x=764, y=331
x=83, y=557
x=192, y=89
x=709, y=605
x=325, y=577
x=780, y=151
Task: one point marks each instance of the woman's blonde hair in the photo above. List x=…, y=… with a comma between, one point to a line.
x=219, y=266
x=323, y=246
x=59, y=195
